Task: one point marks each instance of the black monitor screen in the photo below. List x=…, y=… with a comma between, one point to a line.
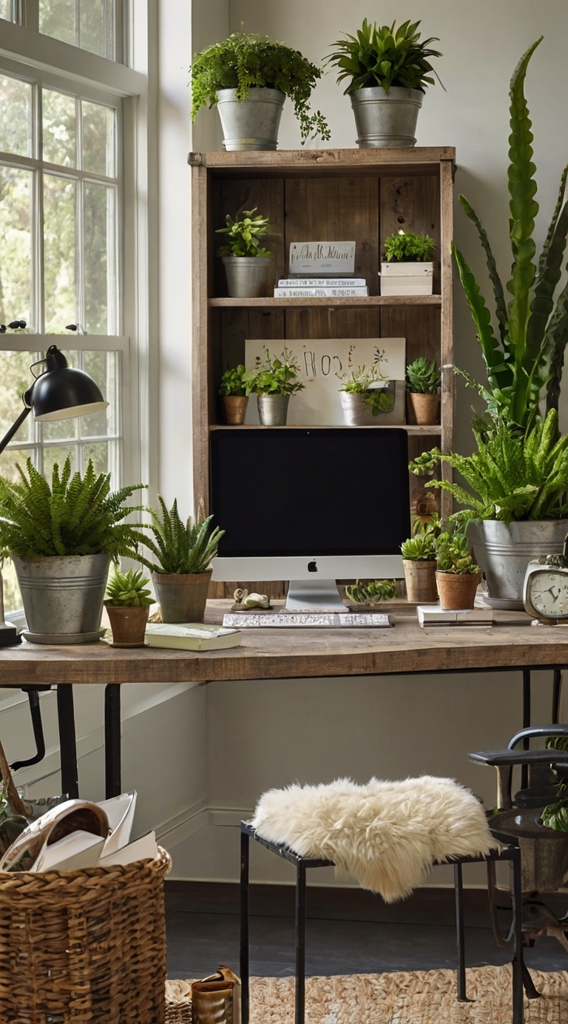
x=300, y=491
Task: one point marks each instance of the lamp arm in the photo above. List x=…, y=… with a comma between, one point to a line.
x=8, y=437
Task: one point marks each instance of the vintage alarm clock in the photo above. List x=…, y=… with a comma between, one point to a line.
x=545, y=592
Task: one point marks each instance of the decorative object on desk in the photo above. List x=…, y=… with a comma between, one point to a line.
x=61, y=539
x=419, y=560
x=545, y=591
x=273, y=380
x=182, y=570
x=249, y=76
x=423, y=380
x=457, y=575
x=217, y=998
x=247, y=264
x=388, y=70
x=322, y=258
x=371, y=591
x=127, y=604
x=407, y=267
x=243, y=601
x=366, y=394
x=191, y=636
x=435, y=615
x=235, y=394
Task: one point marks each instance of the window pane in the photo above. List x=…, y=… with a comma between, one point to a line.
x=15, y=378
x=12, y=598
x=6, y=11
x=59, y=132
x=98, y=452
x=98, y=139
x=94, y=29
x=59, y=430
x=102, y=366
x=15, y=116
x=57, y=18
x=58, y=454
x=60, y=252
x=98, y=226
x=15, y=244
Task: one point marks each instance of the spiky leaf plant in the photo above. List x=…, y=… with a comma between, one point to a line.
x=177, y=546
x=128, y=590
x=384, y=56
x=423, y=377
x=76, y=515
x=524, y=356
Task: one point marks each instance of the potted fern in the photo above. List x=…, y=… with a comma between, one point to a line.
x=423, y=380
x=387, y=69
x=127, y=604
x=247, y=263
x=61, y=538
x=407, y=267
x=181, y=568
x=457, y=575
x=248, y=76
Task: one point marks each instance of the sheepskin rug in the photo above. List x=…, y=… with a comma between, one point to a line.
x=386, y=834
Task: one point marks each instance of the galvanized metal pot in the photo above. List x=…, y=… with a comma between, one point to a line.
x=63, y=596
x=182, y=596
x=272, y=410
x=251, y=123
x=248, y=277
x=503, y=550
x=356, y=412
x=386, y=119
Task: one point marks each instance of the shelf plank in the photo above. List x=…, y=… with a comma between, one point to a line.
x=411, y=428
x=317, y=160
x=310, y=301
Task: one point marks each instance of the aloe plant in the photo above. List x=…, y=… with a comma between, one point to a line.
x=524, y=357
x=128, y=590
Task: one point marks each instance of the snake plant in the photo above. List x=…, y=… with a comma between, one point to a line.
x=177, y=546
x=524, y=359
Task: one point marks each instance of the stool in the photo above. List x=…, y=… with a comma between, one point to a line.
x=514, y=937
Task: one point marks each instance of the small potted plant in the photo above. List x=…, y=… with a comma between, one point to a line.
x=419, y=561
x=181, y=570
x=235, y=394
x=273, y=380
x=249, y=76
x=407, y=267
x=423, y=380
x=371, y=591
x=387, y=70
x=247, y=264
x=127, y=603
x=457, y=575
x=365, y=395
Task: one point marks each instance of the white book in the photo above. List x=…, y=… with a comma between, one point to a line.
x=280, y=293
x=191, y=636
x=120, y=813
x=433, y=615
x=140, y=849
x=322, y=282
x=77, y=850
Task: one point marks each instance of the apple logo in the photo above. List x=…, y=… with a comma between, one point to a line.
x=312, y=567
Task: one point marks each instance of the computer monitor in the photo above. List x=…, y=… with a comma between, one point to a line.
x=310, y=505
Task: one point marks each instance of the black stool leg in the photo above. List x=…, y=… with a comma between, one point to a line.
x=518, y=961
x=300, y=943
x=245, y=852
x=460, y=934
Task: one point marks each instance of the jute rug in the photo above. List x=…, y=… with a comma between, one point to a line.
x=414, y=997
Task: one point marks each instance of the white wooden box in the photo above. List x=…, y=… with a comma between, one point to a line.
x=406, y=278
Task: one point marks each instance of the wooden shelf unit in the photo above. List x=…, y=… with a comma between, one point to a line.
x=361, y=195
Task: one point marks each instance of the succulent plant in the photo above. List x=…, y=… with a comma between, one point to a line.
x=423, y=377
x=128, y=590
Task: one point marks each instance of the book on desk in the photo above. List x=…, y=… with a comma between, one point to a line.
x=191, y=636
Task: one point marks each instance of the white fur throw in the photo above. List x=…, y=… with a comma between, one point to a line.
x=385, y=834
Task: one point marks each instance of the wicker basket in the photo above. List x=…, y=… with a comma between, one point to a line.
x=82, y=946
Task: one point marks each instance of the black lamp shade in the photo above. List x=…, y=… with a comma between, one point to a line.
x=62, y=393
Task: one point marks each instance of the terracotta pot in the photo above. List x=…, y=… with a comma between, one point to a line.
x=128, y=625
x=235, y=407
x=457, y=589
x=420, y=581
x=182, y=596
x=425, y=408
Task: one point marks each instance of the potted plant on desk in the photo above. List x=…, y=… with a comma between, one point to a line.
x=419, y=561
x=127, y=603
x=182, y=569
x=273, y=380
x=457, y=575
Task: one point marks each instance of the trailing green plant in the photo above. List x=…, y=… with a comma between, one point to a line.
x=405, y=247
x=179, y=547
x=247, y=60
x=423, y=377
x=453, y=553
x=366, y=382
x=244, y=235
x=385, y=56
x=511, y=476
x=371, y=591
x=421, y=547
x=555, y=814
x=76, y=515
x=523, y=343
x=128, y=590
x=275, y=375
x=233, y=383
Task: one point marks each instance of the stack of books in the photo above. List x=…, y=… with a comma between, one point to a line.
x=289, y=287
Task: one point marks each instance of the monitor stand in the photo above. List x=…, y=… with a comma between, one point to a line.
x=314, y=596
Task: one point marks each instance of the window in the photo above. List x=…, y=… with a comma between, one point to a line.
x=92, y=25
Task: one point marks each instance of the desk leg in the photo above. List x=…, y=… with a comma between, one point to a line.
x=67, y=740
x=526, y=721
x=112, y=740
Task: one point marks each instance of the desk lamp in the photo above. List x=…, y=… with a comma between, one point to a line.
x=59, y=392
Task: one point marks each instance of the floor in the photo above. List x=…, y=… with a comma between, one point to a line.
x=349, y=931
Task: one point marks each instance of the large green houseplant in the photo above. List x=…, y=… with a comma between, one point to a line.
x=61, y=538
x=249, y=76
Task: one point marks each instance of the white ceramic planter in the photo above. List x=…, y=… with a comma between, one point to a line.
x=406, y=278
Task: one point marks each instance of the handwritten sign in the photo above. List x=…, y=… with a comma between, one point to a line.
x=317, y=258
x=322, y=362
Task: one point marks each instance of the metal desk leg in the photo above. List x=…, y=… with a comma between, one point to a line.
x=67, y=740
x=244, y=940
x=113, y=785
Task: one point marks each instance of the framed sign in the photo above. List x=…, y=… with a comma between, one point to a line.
x=323, y=362
x=322, y=258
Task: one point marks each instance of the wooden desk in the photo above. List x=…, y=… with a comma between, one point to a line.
x=511, y=643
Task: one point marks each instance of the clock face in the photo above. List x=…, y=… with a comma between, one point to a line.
x=547, y=593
